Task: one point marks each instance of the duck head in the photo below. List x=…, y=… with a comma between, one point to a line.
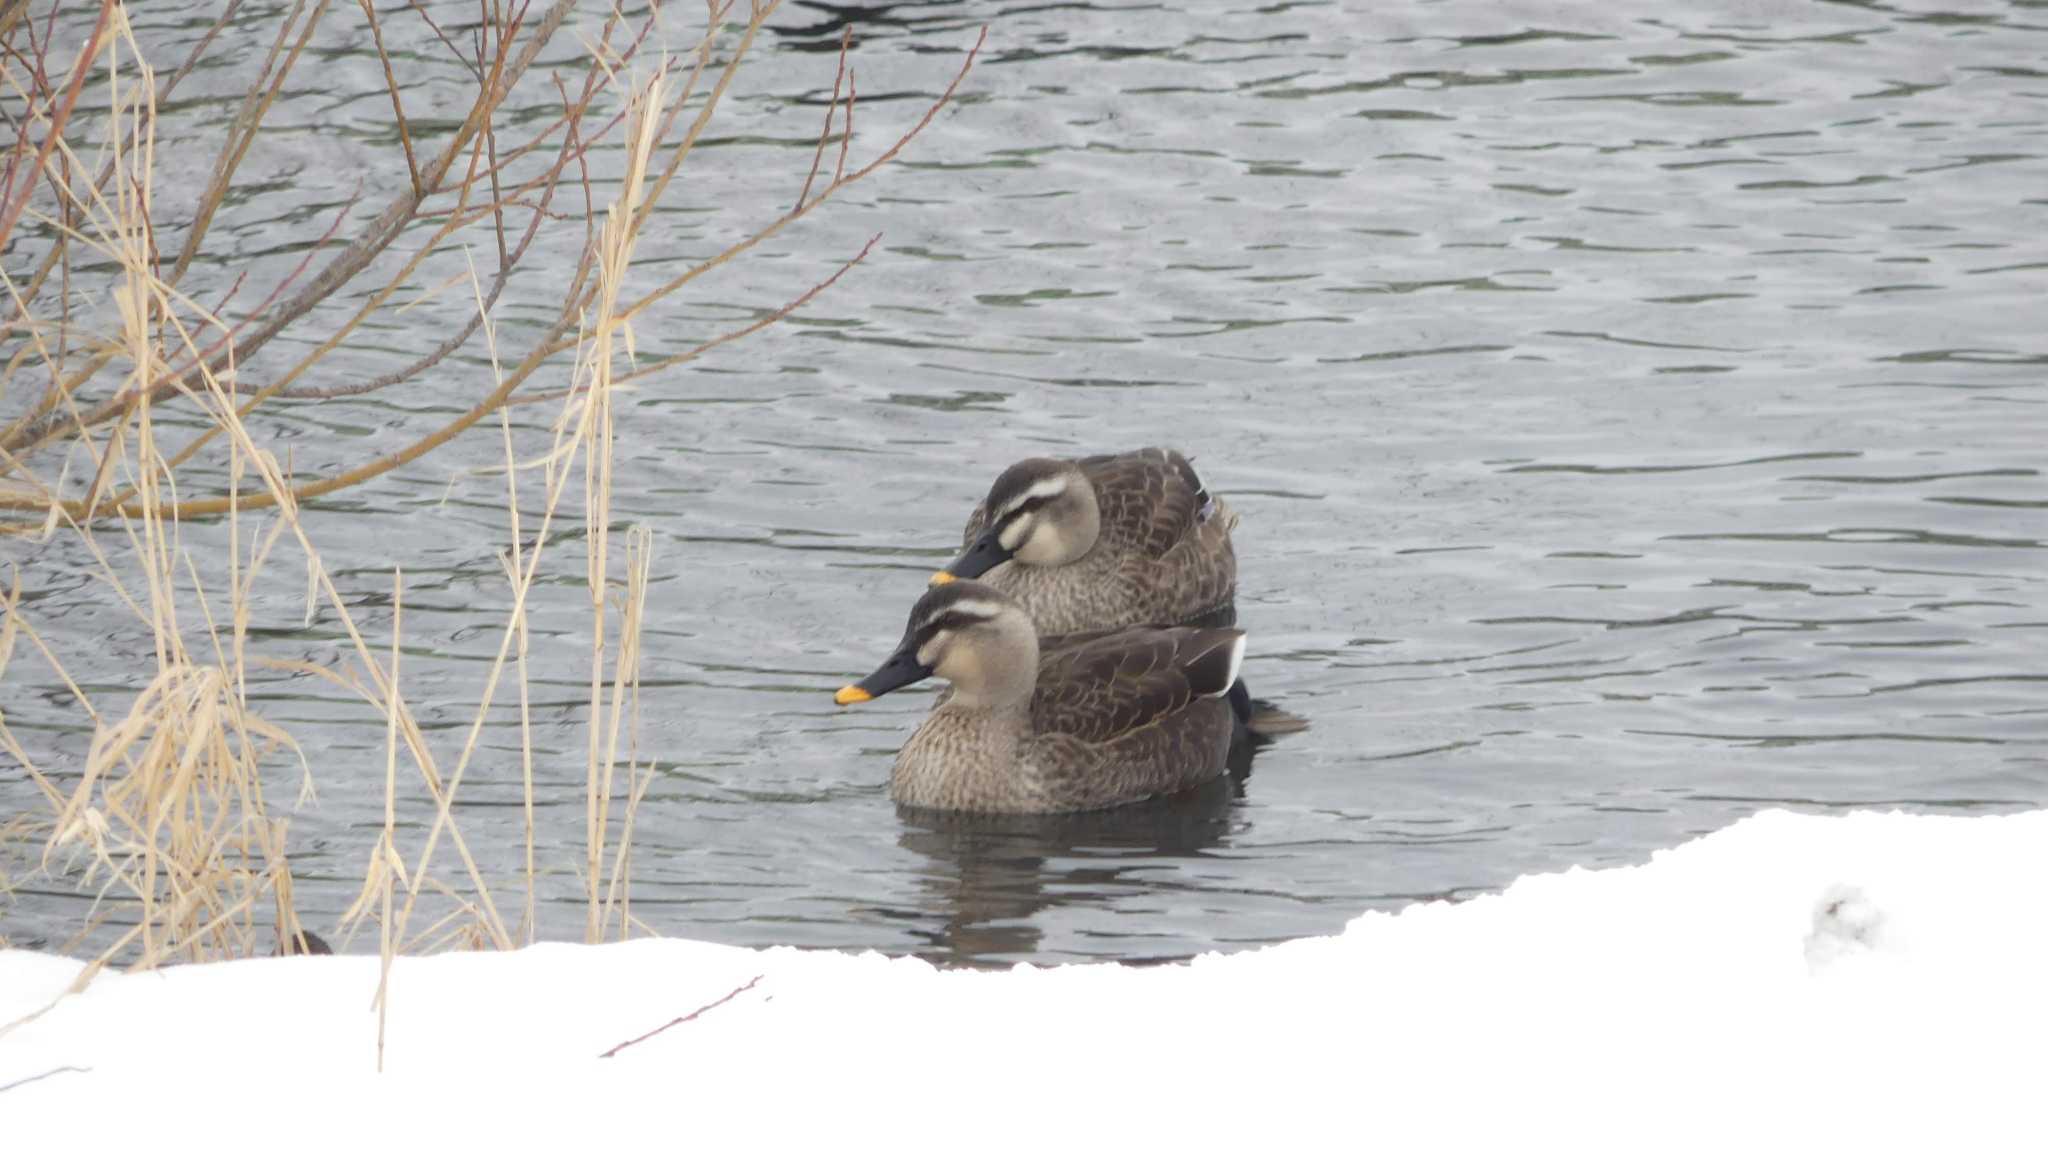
x=1040, y=511
x=967, y=633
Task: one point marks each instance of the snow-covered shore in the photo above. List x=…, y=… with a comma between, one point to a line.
x=1792, y=978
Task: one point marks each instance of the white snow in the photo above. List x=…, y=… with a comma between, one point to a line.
x=1792, y=979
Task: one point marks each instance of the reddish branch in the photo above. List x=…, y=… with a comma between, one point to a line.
x=283, y=285
x=504, y=72
x=22, y=299
x=560, y=335
x=412, y=166
x=62, y=114
x=447, y=346
x=832, y=105
x=666, y=362
x=708, y=1007
x=846, y=134
x=775, y=316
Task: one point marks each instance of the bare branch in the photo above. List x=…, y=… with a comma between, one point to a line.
x=33, y=289
x=248, y=120
x=449, y=345
x=11, y=208
x=377, y=234
x=831, y=106
x=474, y=69
x=391, y=85
x=775, y=316
x=227, y=13
x=795, y=214
x=562, y=334
x=846, y=135
x=729, y=995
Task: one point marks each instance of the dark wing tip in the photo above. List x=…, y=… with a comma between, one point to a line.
x=1184, y=468
x=1211, y=665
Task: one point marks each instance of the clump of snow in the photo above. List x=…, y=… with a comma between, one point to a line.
x=1845, y=922
x=1876, y=976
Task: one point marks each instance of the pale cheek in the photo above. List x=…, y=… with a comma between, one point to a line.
x=933, y=653
x=956, y=664
x=1013, y=535
x=1043, y=548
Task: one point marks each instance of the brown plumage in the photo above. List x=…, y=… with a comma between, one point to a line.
x=1096, y=722
x=1105, y=542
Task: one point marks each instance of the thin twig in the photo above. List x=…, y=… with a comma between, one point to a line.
x=52, y=1072
x=729, y=995
x=179, y=378
x=282, y=286
x=775, y=316
x=34, y=427
x=227, y=14
x=57, y=252
x=560, y=335
x=449, y=226
x=831, y=106
x=774, y=228
x=452, y=343
x=256, y=103
x=380, y=232
x=60, y=252
x=397, y=105
x=474, y=70
x=846, y=133
x=11, y=208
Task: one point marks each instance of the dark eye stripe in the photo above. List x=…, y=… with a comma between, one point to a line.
x=1022, y=509
x=948, y=621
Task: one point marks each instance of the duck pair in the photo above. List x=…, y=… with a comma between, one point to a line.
x=1083, y=630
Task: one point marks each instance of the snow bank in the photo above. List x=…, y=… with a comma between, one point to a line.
x=1877, y=976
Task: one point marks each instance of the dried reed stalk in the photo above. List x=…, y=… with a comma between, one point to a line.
x=167, y=814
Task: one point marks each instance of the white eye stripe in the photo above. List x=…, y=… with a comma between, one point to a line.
x=1043, y=489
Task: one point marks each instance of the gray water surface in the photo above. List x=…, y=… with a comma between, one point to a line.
x=1636, y=412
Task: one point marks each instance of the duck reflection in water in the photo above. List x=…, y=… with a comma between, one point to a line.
x=987, y=879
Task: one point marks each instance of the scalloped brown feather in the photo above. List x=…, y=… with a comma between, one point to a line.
x=1160, y=560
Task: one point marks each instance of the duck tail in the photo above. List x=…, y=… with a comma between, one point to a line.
x=1268, y=721
x=1261, y=719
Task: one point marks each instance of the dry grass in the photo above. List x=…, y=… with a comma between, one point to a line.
x=168, y=814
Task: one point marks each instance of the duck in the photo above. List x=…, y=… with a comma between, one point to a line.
x=1104, y=543
x=1088, y=724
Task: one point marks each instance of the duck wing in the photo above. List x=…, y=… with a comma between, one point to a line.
x=1102, y=688
x=1151, y=499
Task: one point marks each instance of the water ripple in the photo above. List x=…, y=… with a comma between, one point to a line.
x=1633, y=413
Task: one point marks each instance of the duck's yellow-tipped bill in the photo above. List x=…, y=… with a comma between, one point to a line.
x=941, y=578
x=851, y=694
